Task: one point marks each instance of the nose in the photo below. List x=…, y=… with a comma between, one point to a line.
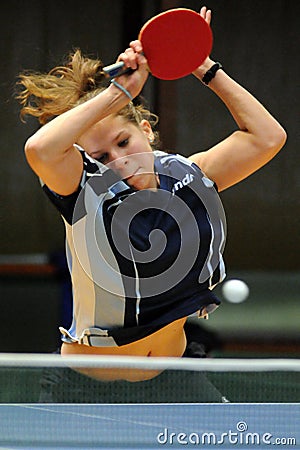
x=118, y=159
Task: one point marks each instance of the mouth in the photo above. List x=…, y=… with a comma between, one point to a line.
x=132, y=175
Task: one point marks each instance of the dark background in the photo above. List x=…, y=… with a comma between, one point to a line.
x=257, y=43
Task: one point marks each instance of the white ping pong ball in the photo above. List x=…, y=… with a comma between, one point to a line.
x=235, y=291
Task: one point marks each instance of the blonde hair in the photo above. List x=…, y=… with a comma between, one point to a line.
x=48, y=95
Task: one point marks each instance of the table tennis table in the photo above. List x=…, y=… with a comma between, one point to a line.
x=149, y=426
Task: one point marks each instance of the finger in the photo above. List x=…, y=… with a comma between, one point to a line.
x=138, y=49
x=136, y=46
x=132, y=58
x=129, y=57
x=141, y=60
x=205, y=14
x=208, y=16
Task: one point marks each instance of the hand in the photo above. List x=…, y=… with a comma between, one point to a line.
x=206, y=65
x=134, y=59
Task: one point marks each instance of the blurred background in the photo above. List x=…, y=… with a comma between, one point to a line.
x=258, y=44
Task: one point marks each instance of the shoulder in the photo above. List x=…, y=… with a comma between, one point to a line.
x=181, y=168
x=167, y=159
x=175, y=161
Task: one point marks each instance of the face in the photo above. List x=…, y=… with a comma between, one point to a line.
x=124, y=147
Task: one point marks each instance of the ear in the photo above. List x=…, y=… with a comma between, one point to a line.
x=147, y=129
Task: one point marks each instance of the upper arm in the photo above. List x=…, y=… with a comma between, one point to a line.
x=61, y=174
x=234, y=159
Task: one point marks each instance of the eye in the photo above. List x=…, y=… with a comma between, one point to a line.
x=123, y=143
x=102, y=158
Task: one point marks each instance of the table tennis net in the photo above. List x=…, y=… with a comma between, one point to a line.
x=50, y=378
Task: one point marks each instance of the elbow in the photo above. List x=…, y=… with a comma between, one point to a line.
x=36, y=154
x=34, y=150
x=275, y=140
x=280, y=137
x=31, y=150
x=31, y=147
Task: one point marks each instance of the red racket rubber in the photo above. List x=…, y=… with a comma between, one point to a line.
x=175, y=43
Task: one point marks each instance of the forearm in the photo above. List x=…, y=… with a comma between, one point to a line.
x=58, y=136
x=248, y=112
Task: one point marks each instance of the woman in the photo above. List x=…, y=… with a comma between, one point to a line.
x=93, y=157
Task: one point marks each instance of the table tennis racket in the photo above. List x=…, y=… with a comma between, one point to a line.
x=174, y=42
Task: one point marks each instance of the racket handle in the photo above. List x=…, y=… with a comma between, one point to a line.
x=116, y=70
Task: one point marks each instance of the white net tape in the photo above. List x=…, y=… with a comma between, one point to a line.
x=156, y=363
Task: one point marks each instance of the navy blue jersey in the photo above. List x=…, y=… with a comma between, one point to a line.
x=140, y=259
